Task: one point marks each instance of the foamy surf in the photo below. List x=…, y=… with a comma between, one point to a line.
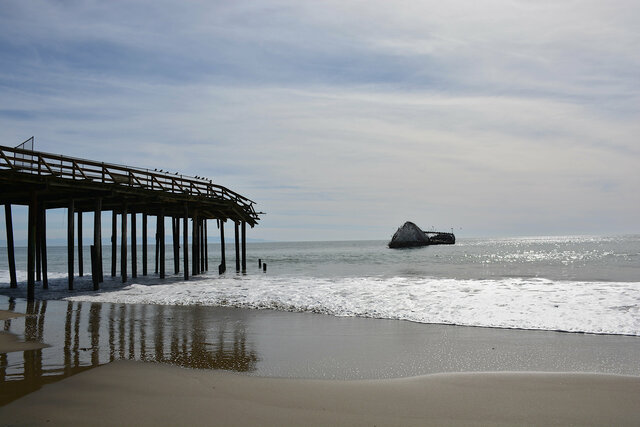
x=590, y=307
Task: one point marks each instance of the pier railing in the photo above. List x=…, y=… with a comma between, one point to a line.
x=54, y=165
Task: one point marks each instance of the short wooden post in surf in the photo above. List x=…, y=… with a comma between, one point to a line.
x=13, y=282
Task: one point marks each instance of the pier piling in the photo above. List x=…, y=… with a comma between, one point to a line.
x=134, y=246
x=31, y=247
x=13, y=282
x=80, y=260
x=185, y=242
x=70, y=231
x=123, y=243
x=144, y=244
x=43, y=247
x=114, y=241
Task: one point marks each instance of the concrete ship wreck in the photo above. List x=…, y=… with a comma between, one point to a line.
x=410, y=235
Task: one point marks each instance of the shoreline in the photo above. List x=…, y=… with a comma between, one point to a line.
x=126, y=392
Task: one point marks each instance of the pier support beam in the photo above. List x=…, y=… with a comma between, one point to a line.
x=144, y=244
x=202, y=248
x=123, y=243
x=43, y=246
x=244, y=247
x=134, y=246
x=114, y=241
x=13, y=282
x=185, y=241
x=70, y=230
x=157, y=244
x=206, y=247
x=223, y=263
x=237, y=236
x=175, y=227
x=97, y=240
x=161, y=229
x=31, y=247
x=80, y=260
x=195, y=263
x=38, y=243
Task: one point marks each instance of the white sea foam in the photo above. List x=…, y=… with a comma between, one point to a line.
x=592, y=307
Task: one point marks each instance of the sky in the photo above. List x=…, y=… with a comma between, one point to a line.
x=344, y=119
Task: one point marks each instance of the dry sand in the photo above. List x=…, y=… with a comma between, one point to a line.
x=136, y=393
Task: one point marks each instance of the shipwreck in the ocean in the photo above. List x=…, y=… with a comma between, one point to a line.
x=410, y=235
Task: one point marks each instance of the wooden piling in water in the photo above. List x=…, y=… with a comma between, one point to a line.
x=70, y=231
x=162, y=254
x=80, y=260
x=97, y=238
x=11, y=255
x=134, y=246
x=43, y=247
x=237, y=242
x=144, y=244
x=114, y=241
x=201, y=248
x=244, y=247
x=223, y=264
x=195, y=263
x=123, y=243
x=205, y=244
x=31, y=247
x=175, y=227
x=185, y=242
x=157, y=245
x=38, y=242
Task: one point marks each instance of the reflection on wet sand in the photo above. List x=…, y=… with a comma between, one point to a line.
x=95, y=333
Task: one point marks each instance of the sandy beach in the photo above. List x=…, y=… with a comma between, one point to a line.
x=133, y=393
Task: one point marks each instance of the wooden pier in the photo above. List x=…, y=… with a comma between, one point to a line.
x=44, y=181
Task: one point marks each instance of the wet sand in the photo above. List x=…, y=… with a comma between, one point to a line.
x=135, y=393
x=301, y=369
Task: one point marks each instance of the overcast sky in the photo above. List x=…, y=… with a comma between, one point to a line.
x=342, y=119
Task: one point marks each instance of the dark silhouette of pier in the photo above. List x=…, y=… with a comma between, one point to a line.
x=44, y=181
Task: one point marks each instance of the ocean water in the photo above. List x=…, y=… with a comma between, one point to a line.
x=581, y=284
